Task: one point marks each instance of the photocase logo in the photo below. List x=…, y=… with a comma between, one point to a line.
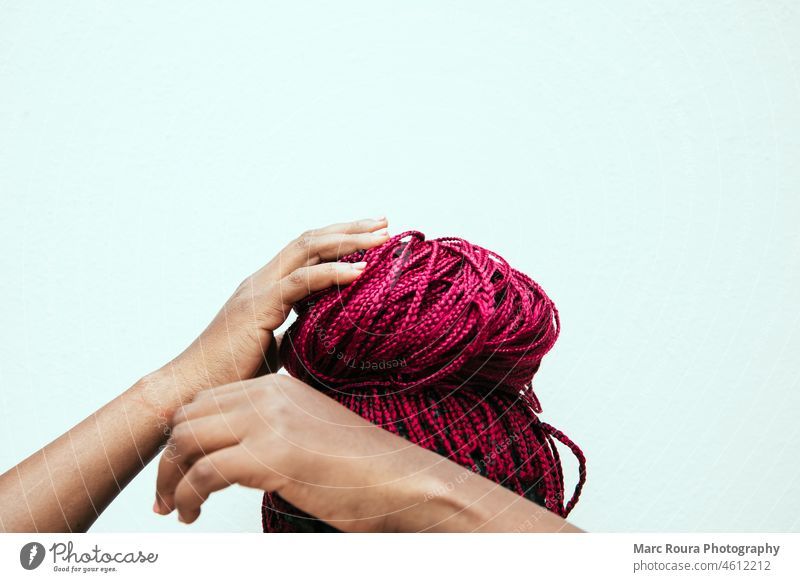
x=31, y=555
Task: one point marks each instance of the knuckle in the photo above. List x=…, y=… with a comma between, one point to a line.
x=323, y=245
x=297, y=277
x=180, y=435
x=266, y=385
x=246, y=286
x=204, y=470
x=305, y=240
x=179, y=417
x=271, y=392
x=247, y=281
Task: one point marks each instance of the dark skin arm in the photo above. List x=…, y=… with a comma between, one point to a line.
x=67, y=484
x=277, y=434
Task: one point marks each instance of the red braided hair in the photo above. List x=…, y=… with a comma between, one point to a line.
x=436, y=341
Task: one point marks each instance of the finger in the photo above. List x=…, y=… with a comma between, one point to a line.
x=241, y=389
x=210, y=473
x=296, y=253
x=306, y=280
x=217, y=403
x=310, y=249
x=355, y=227
x=329, y=247
x=188, y=442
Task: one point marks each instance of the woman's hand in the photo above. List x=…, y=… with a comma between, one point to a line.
x=65, y=485
x=275, y=433
x=239, y=342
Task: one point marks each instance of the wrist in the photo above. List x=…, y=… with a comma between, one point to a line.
x=445, y=497
x=237, y=351
x=163, y=391
x=431, y=500
x=458, y=500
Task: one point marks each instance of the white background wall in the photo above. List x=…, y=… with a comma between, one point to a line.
x=638, y=158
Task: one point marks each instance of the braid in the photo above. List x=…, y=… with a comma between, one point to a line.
x=437, y=341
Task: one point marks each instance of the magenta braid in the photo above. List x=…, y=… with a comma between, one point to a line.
x=437, y=341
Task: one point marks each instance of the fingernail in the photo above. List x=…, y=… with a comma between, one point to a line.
x=379, y=219
x=156, y=508
x=384, y=232
x=359, y=266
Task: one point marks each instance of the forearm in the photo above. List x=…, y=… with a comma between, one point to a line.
x=442, y=496
x=386, y=483
x=68, y=483
x=450, y=498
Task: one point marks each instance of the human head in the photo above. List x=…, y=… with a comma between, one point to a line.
x=437, y=341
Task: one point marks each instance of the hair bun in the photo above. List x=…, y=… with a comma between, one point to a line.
x=441, y=312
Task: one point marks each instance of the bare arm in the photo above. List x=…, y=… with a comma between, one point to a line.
x=67, y=484
x=277, y=434
x=445, y=497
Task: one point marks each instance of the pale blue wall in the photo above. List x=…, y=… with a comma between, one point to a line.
x=638, y=158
